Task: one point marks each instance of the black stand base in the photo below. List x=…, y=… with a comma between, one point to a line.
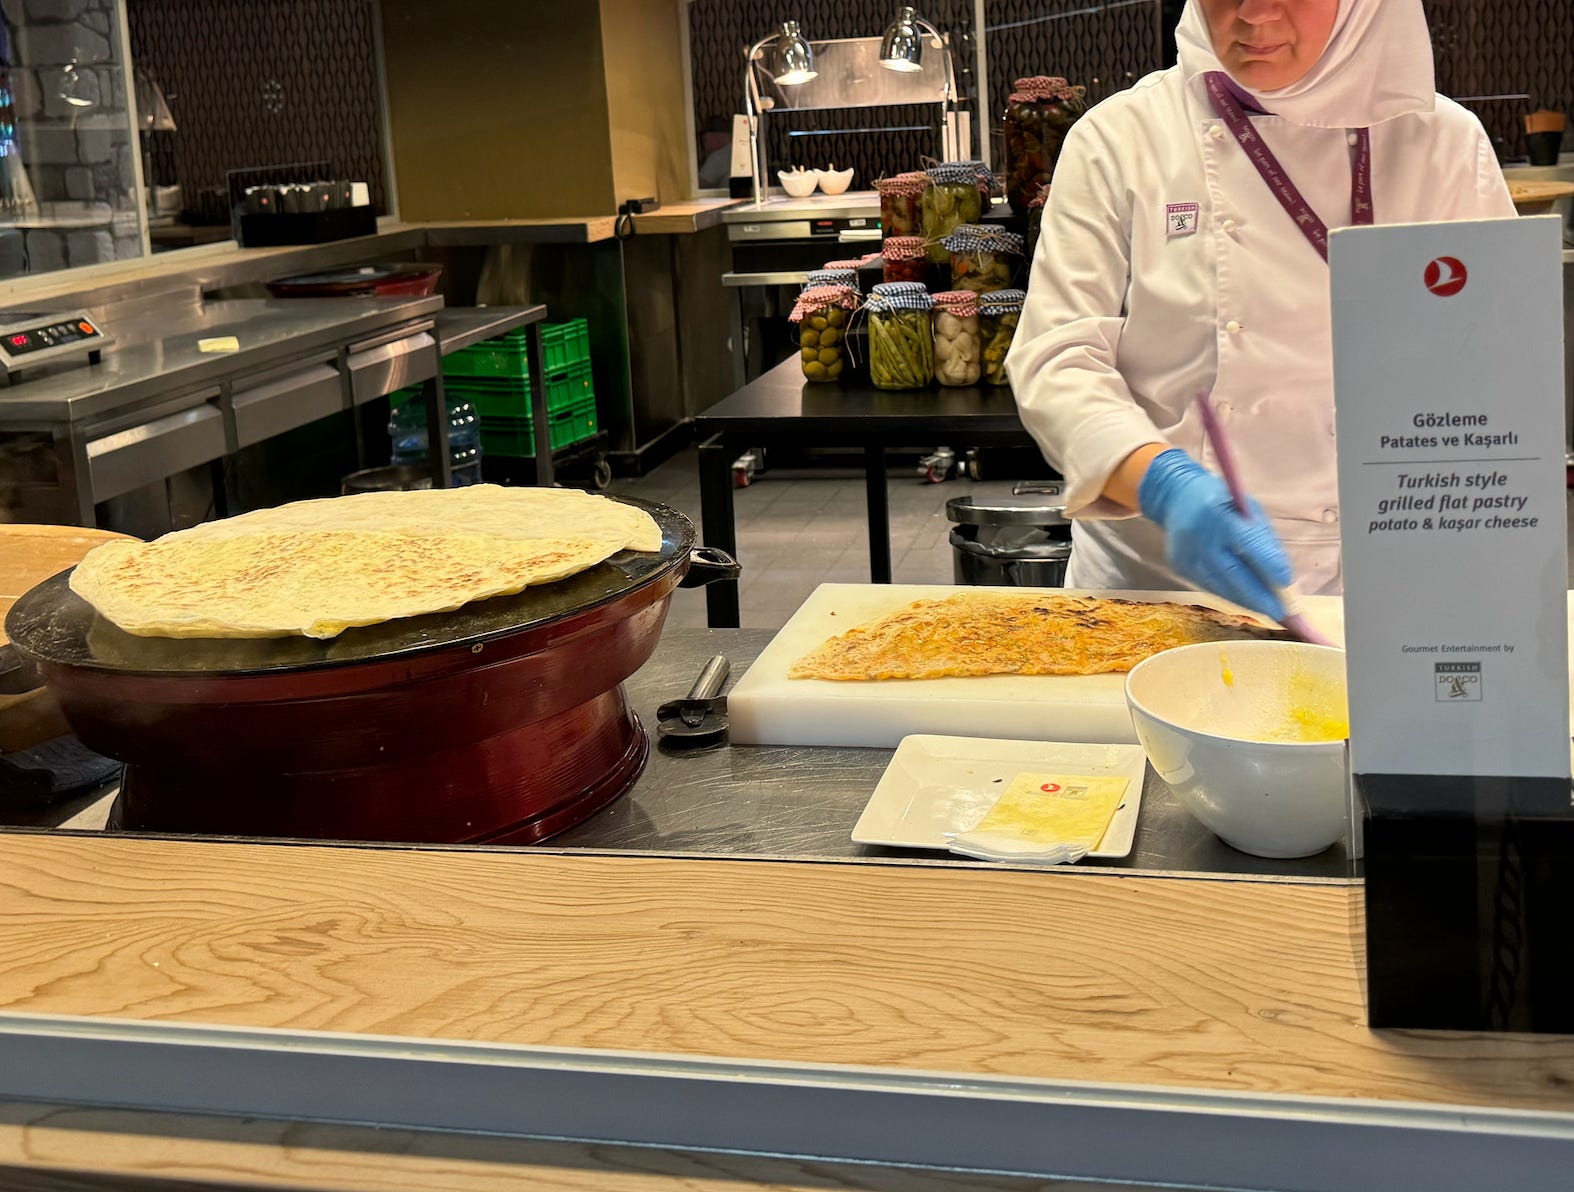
x=1469, y=893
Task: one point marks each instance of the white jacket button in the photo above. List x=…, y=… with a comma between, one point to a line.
x=1351, y=138
x=1230, y=225
x=1232, y=326
x=1216, y=131
x=1330, y=516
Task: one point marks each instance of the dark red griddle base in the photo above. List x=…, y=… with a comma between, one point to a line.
x=518, y=787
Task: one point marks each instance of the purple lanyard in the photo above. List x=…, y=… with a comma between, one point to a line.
x=1233, y=113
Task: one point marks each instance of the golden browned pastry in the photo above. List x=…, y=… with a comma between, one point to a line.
x=1018, y=634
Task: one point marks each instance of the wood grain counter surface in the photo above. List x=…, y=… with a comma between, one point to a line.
x=1217, y=986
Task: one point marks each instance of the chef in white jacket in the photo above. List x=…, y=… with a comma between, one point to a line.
x=1184, y=250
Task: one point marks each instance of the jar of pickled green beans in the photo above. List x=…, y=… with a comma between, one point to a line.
x=901, y=342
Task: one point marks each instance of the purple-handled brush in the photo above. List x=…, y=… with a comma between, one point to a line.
x=1294, y=616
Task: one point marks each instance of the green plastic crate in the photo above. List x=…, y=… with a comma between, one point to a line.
x=565, y=344
x=516, y=437
x=499, y=397
x=490, y=358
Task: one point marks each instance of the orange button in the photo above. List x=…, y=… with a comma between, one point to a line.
x=87, y=328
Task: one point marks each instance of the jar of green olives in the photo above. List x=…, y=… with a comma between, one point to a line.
x=901, y=204
x=901, y=342
x=1038, y=115
x=950, y=200
x=984, y=257
x=998, y=316
x=958, y=348
x=823, y=314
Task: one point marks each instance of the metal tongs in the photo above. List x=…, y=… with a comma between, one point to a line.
x=1294, y=614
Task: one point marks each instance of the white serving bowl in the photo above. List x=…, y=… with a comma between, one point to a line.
x=1211, y=741
x=799, y=184
x=835, y=182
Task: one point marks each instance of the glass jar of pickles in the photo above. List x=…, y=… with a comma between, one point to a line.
x=828, y=276
x=1035, y=221
x=958, y=348
x=901, y=204
x=823, y=314
x=1038, y=115
x=951, y=199
x=998, y=316
x=984, y=258
x=905, y=259
x=901, y=342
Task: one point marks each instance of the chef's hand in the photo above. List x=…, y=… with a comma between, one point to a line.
x=1207, y=540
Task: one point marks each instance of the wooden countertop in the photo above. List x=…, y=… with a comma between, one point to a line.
x=226, y=263
x=1195, y=984
x=1218, y=986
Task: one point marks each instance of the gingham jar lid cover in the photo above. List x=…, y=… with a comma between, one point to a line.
x=899, y=295
x=1001, y=302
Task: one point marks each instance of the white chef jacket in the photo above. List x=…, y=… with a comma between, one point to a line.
x=1166, y=267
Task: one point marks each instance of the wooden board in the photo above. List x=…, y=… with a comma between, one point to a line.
x=768, y=708
x=1534, y=198
x=1201, y=984
x=29, y=555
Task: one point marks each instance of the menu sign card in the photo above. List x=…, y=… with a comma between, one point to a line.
x=1448, y=382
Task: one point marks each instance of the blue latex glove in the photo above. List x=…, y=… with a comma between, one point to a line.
x=1210, y=543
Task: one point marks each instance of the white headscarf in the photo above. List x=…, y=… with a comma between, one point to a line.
x=1378, y=65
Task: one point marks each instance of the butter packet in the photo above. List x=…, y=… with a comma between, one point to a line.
x=1045, y=818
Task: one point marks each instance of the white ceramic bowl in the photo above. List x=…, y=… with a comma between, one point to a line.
x=798, y=183
x=835, y=182
x=1211, y=741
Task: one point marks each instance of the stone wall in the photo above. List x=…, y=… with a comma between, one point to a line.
x=74, y=132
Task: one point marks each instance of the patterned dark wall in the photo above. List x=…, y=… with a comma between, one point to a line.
x=1483, y=48
x=1103, y=47
x=261, y=82
x=1505, y=47
x=721, y=32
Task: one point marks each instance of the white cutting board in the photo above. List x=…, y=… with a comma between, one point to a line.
x=768, y=708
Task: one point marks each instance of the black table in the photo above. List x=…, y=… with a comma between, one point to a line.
x=781, y=409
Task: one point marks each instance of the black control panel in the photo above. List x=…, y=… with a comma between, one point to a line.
x=36, y=339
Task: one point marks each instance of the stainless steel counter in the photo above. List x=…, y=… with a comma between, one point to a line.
x=799, y=803
x=270, y=331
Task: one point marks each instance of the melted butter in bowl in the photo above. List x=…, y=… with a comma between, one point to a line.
x=1251, y=740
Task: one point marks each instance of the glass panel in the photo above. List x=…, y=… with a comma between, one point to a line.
x=68, y=194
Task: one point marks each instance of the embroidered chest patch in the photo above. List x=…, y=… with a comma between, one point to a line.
x=1180, y=219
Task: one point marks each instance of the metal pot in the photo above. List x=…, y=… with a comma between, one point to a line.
x=1021, y=541
x=503, y=722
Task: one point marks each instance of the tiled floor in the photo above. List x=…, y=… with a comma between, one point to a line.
x=800, y=528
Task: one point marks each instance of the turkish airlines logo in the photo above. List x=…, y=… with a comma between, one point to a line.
x=1446, y=276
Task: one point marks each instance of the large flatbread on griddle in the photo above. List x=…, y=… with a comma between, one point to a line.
x=316, y=568
x=1011, y=634
x=512, y=513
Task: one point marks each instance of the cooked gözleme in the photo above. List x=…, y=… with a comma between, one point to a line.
x=1043, y=634
x=316, y=568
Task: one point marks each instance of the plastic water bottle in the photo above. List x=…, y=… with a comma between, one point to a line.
x=407, y=430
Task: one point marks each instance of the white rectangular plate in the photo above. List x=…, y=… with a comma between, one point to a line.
x=936, y=786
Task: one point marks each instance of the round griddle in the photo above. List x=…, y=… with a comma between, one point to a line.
x=503, y=721
x=54, y=626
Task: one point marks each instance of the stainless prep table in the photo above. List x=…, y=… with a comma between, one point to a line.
x=796, y=802
x=157, y=405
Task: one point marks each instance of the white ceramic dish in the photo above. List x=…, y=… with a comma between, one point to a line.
x=835, y=182
x=1206, y=739
x=937, y=786
x=799, y=184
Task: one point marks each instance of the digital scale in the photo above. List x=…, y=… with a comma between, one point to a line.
x=32, y=340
